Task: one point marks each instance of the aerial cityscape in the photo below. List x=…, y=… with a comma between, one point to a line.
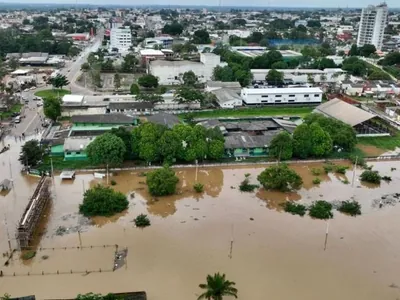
x=209, y=150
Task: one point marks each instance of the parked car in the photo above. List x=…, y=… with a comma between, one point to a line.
x=17, y=120
x=39, y=103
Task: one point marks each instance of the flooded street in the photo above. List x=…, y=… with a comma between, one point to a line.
x=274, y=255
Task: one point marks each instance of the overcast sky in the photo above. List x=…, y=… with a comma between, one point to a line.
x=264, y=3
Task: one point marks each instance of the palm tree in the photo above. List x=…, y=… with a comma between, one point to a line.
x=217, y=287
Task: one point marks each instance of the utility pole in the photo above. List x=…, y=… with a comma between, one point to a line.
x=326, y=234
x=107, y=174
x=354, y=172
x=9, y=162
x=52, y=169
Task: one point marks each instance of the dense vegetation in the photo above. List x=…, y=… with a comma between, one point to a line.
x=246, y=186
x=321, y=210
x=106, y=149
x=295, y=208
x=280, y=177
x=102, y=201
x=142, y=221
x=162, y=182
x=31, y=153
x=371, y=176
x=352, y=208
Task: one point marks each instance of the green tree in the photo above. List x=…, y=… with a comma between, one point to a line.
x=31, y=153
x=162, y=182
x=201, y=37
x=279, y=65
x=188, y=95
x=379, y=75
x=367, y=50
x=150, y=135
x=353, y=50
x=52, y=108
x=224, y=74
x=189, y=78
x=102, y=201
x=150, y=97
x=217, y=287
x=148, y=81
x=281, y=146
x=274, y=77
x=302, y=146
x=170, y=146
x=85, y=67
x=173, y=29
x=129, y=63
x=321, y=142
x=134, y=89
x=59, y=81
x=106, y=149
x=117, y=81
x=280, y=177
x=125, y=135
x=216, y=149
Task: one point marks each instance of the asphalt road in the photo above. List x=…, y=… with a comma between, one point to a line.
x=32, y=115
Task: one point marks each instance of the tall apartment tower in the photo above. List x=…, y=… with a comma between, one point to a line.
x=372, y=25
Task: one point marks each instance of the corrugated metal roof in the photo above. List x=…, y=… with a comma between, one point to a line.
x=344, y=112
x=274, y=91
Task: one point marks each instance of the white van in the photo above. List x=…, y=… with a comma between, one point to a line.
x=17, y=119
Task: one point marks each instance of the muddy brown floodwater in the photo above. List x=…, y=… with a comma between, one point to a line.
x=274, y=255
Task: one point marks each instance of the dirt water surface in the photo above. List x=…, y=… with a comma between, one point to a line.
x=268, y=253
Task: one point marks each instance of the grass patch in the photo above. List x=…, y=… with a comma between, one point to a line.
x=28, y=255
x=7, y=114
x=52, y=93
x=383, y=142
x=259, y=111
x=328, y=168
x=295, y=209
x=59, y=164
x=352, y=208
x=321, y=210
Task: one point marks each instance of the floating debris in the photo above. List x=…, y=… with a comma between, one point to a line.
x=390, y=199
x=120, y=258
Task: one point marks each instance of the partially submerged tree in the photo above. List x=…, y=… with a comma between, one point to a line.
x=31, y=153
x=280, y=177
x=162, y=182
x=217, y=287
x=102, y=201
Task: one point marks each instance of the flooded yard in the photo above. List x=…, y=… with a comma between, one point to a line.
x=274, y=255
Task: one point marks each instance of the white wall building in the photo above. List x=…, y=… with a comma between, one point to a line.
x=272, y=96
x=121, y=38
x=372, y=25
x=170, y=72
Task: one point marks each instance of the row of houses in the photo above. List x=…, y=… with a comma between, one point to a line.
x=244, y=137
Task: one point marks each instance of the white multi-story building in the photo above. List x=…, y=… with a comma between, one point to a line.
x=275, y=96
x=121, y=38
x=372, y=25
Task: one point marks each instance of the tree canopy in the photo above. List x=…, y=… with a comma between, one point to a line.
x=102, y=201
x=274, y=77
x=280, y=177
x=173, y=29
x=217, y=287
x=52, y=108
x=201, y=36
x=148, y=81
x=162, y=182
x=281, y=146
x=31, y=153
x=189, y=78
x=106, y=149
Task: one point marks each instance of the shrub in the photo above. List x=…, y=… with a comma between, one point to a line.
x=359, y=159
x=371, y=176
x=321, y=210
x=341, y=169
x=295, y=209
x=316, y=180
x=328, y=168
x=142, y=221
x=162, y=182
x=102, y=201
x=198, y=187
x=245, y=185
x=113, y=182
x=316, y=171
x=352, y=208
x=346, y=181
x=28, y=255
x=280, y=177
